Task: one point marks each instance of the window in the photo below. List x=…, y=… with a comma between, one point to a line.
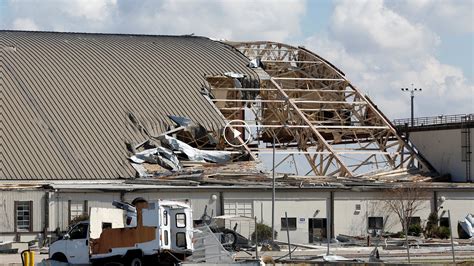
x=444, y=221
x=180, y=220
x=375, y=222
x=165, y=218
x=106, y=225
x=238, y=208
x=79, y=231
x=291, y=223
x=357, y=209
x=23, y=216
x=415, y=220
x=77, y=208
x=181, y=240
x=165, y=235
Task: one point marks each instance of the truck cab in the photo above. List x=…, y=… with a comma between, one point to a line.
x=74, y=245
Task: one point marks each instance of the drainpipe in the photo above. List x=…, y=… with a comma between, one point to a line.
x=221, y=203
x=56, y=195
x=46, y=215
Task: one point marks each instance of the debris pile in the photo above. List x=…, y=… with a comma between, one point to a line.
x=191, y=155
x=167, y=156
x=466, y=227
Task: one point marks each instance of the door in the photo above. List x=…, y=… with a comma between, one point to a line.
x=317, y=228
x=180, y=220
x=77, y=246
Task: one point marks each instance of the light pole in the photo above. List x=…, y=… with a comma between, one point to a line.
x=412, y=96
x=273, y=194
x=450, y=233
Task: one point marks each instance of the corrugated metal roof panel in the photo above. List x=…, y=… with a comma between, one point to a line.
x=66, y=97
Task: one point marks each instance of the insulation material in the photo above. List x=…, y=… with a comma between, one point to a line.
x=100, y=216
x=467, y=225
x=194, y=154
x=158, y=155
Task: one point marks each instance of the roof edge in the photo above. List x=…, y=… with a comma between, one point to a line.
x=109, y=34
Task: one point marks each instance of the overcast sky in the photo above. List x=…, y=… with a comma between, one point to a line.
x=380, y=45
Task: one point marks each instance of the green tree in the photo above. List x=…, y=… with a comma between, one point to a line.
x=264, y=233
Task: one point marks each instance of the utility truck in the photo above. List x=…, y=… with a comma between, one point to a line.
x=130, y=234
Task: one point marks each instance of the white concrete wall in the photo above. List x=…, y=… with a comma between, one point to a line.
x=299, y=204
x=442, y=148
x=7, y=213
x=459, y=204
x=349, y=222
x=302, y=204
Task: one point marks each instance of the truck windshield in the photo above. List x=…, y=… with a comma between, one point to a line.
x=79, y=231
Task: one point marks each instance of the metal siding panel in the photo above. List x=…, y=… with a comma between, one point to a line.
x=7, y=208
x=65, y=112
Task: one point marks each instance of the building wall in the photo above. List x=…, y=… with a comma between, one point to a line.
x=59, y=205
x=197, y=199
x=442, y=148
x=349, y=221
x=7, y=213
x=301, y=204
x=460, y=204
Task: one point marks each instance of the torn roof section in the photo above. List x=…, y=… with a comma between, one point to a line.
x=71, y=100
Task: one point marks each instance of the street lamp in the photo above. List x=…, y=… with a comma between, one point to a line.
x=412, y=95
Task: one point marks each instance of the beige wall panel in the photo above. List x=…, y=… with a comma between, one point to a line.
x=59, y=212
x=7, y=211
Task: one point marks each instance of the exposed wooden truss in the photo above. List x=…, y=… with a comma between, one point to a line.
x=311, y=109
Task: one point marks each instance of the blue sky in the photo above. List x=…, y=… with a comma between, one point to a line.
x=381, y=45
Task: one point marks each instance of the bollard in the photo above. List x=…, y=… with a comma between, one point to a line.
x=32, y=258
x=28, y=258
x=25, y=257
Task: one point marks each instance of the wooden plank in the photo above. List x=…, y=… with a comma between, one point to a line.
x=344, y=170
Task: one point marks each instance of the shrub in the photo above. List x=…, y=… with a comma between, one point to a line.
x=443, y=232
x=80, y=218
x=431, y=225
x=415, y=230
x=400, y=234
x=264, y=233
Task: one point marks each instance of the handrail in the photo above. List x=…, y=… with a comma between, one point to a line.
x=435, y=120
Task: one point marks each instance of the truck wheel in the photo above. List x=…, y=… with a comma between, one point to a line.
x=229, y=238
x=136, y=262
x=59, y=257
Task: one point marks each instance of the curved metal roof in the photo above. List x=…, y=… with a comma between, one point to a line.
x=66, y=97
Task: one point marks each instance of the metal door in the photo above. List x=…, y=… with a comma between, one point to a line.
x=181, y=229
x=317, y=228
x=165, y=228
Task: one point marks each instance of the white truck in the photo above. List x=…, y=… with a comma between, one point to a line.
x=132, y=234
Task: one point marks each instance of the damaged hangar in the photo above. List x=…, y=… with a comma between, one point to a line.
x=91, y=118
